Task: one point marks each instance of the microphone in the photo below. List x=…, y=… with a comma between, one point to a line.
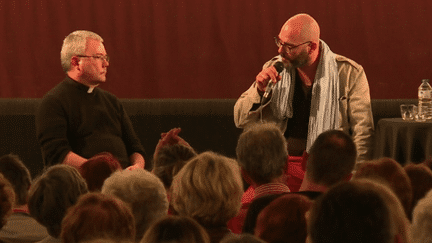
x=279, y=68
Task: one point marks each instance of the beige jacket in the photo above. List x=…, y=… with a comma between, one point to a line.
x=355, y=112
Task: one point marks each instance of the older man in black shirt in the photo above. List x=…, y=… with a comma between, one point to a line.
x=76, y=120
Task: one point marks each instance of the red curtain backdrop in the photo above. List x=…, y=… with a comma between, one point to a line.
x=208, y=48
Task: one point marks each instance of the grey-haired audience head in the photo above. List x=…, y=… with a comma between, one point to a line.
x=421, y=227
x=57, y=189
x=143, y=191
x=262, y=152
x=18, y=175
x=332, y=158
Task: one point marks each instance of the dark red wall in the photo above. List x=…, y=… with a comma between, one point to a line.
x=208, y=48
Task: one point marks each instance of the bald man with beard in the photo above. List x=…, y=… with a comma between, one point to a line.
x=316, y=91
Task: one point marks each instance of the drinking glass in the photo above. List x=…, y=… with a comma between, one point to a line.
x=408, y=112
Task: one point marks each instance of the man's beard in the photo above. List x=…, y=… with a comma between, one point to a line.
x=299, y=61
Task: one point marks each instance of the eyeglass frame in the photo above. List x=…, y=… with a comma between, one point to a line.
x=100, y=57
x=287, y=46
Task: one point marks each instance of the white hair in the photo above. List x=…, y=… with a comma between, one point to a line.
x=143, y=191
x=421, y=227
x=75, y=44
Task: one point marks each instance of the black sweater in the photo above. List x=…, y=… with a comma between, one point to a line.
x=70, y=119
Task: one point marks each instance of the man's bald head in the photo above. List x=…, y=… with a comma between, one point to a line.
x=300, y=28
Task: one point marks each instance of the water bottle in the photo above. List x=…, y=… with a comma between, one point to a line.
x=424, y=100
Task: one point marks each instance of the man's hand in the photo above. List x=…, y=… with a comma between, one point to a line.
x=134, y=167
x=265, y=76
x=170, y=138
x=74, y=160
x=137, y=161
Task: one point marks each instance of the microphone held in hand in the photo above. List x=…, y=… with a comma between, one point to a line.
x=279, y=67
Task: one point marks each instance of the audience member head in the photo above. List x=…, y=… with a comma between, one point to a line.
x=421, y=181
x=75, y=44
x=51, y=194
x=255, y=208
x=14, y=170
x=332, y=158
x=428, y=162
x=398, y=217
x=106, y=240
x=283, y=220
x=169, y=160
x=7, y=200
x=97, y=215
x=392, y=174
x=98, y=168
x=353, y=212
x=262, y=153
x=421, y=227
x=176, y=229
x=241, y=238
x=143, y=191
x=208, y=189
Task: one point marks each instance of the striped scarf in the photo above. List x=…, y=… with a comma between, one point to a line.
x=325, y=95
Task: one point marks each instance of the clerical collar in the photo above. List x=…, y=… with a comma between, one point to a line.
x=81, y=86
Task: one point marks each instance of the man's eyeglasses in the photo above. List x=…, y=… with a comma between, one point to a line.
x=287, y=46
x=100, y=57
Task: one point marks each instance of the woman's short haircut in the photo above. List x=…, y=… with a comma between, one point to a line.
x=208, y=189
x=75, y=44
x=18, y=175
x=177, y=229
x=98, y=168
x=341, y=214
x=57, y=189
x=255, y=208
x=284, y=220
x=7, y=200
x=97, y=215
x=143, y=191
x=169, y=160
x=350, y=212
x=421, y=181
x=392, y=174
x=262, y=152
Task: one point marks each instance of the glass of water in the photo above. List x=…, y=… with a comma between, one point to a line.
x=408, y=112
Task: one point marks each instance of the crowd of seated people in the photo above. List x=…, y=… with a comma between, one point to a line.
x=20, y=226
x=331, y=161
x=7, y=200
x=206, y=197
